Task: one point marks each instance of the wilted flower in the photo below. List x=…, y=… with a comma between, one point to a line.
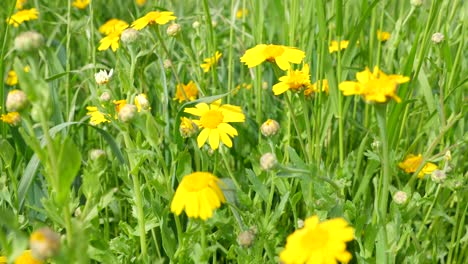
x=437, y=38
x=44, y=243
x=28, y=41
x=281, y=55
x=438, y=176
x=141, y=102
x=103, y=77
x=127, y=113
x=270, y=128
x=16, y=101
x=23, y=15
x=187, y=127
x=211, y=62
x=268, y=161
x=173, y=30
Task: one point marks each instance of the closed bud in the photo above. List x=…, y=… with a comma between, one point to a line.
x=16, y=101
x=400, y=197
x=195, y=24
x=416, y=3
x=96, y=154
x=142, y=103
x=246, y=238
x=173, y=30
x=270, y=128
x=268, y=161
x=129, y=35
x=28, y=41
x=437, y=38
x=264, y=85
x=167, y=64
x=438, y=176
x=127, y=113
x=300, y=223
x=105, y=97
x=44, y=243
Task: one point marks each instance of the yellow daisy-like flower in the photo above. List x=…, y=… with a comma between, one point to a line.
x=211, y=62
x=19, y=6
x=190, y=90
x=214, y=119
x=199, y=194
x=12, y=78
x=97, y=117
x=113, y=25
x=294, y=80
x=412, y=163
x=281, y=55
x=242, y=13
x=314, y=88
x=374, y=86
x=27, y=258
x=110, y=41
x=153, y=17
x=23, y=15
x=12, y=118
x=383, y=35
x=80, y=4
x=319, y=242
x=140, y=2
x=334, y=45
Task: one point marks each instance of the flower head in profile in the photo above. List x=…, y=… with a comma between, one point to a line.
x=11, y=118
x=208, y=63
x=113, y=25
x=187, y=92
x=12, y=78
x=103, y=77
x=97, y=117
x=374, y=86
x=153, y=17
x=213, y=122
x=315, y=87
x=334, y=46
x=23, y=15
x=412, y=163
x=27, y=258
x=294, y=80
x=80, y=4
x=319, y=242
x=199, y=194
x=281, y=55
x=142, y=103
x=383, y=35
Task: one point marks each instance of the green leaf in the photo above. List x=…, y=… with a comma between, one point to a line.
x=68, y=162
x=7, y=152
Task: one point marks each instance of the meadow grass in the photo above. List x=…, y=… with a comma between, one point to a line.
x=107, y=188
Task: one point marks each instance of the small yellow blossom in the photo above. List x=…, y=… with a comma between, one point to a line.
x=119, y=104
x=20, y=4
x=243, y=12
x=12, y=78
x=374, y=86
x=80, y=4
x=97, y=117
x=142, y=103
x=383, y=35
x=334, y=45
x=294, y=80
x=199, y=194
x=314, y=88
x=153, y=17
x=190, y=90
x=211, y=62
x=281, y=55
x=22, y=16
x=110, y=41
x=214, y=119
x=27, y=258
x=318, y=242
x=187, y=127
x=113, y=25
x=12, y=118
x=140, y=2
x=412, y=163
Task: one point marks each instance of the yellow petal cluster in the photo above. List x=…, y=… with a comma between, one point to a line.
x=11, y=118
x=113, y=25
x=281, y=55
x=412, y=162
x=314, y=88
x=20, y=4
x=199, y=194
x=12, y=78
x=334, y=46
x=23, y=15
x=187, y=91
x=374, y=86
x=210, y=62
x=27, y=258
x=383, y=35
x=153, y=17
x=319, y=242
x=97, y=117
x=294, y=80
x=80, y=4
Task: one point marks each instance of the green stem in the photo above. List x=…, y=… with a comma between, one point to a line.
x=305, y=109
x=340, y=107
x=203, y=239
x=226, y=164
x=296, y=126
x=429, y=211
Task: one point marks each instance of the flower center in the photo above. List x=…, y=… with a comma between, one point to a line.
x=212, y=119
x=315, y=239
x=272, y=51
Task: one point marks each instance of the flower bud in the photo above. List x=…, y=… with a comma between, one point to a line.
x=438, y=176
x=400, y=197
x=376, y=144
x=264, y=85
x=167, y=64
x=127, y=113
x=102, y=77
x=300, y=223
x=268, y=161
x=270, y=128
x=28, y=41
x=437, y=38
x=129, y=35
x=142, y=103
x=246, y=238
x=44, y=243
x=16, y=101
x=416, y=3
x=448, y=155
x=195, y=24
x=105, y=97
x=187, y=127
x=173, y=30
x=96, y=154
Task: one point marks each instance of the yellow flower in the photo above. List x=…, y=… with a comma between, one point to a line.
x=314, y=88
x=12, y=118
x=44, y=243
x=282, y=55
x=19, y=6
x=111, y=40
x=210, y=62
x=80, y=4
x=242, y=13
x=294, y=80
x=113, y=25
x=153, y=17
x=27, y=258
x=12, y=78
x=3, y=260
x=23, y=15
x=190, y=90
x=374, y=86
x=214, y=119
x=96, y=116
x=334, y=45
x=119, y=104
x=140, y=2
x=199, y=194
x=412, y=163
x=187, y=127
x=142, y=103
x=318, y=242
x=383, y=35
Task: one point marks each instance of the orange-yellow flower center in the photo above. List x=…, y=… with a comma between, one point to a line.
x=315, y=238
x=212, y=119
x=272, y=51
